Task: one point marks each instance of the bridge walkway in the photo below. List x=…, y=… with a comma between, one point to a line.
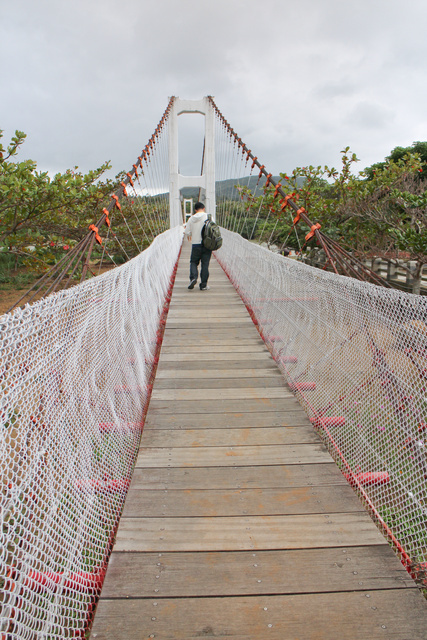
x=238, y=523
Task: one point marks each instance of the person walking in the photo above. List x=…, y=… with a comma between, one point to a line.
x=199, y=253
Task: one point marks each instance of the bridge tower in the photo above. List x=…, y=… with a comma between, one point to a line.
x=205, y=181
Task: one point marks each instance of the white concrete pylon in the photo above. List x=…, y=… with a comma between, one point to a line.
x=177, y=181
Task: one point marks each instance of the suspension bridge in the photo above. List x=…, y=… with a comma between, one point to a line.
x=245, y=462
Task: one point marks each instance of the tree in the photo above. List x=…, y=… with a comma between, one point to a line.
x=377, y=211
x=399, y=153
x=392, y=205
x=41, y=217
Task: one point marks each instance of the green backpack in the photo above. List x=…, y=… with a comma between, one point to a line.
x=211, y=235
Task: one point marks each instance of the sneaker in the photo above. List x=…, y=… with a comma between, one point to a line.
x=206, y=288
x=192, y=283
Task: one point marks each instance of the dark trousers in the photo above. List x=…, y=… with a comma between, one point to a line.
x=200, y=254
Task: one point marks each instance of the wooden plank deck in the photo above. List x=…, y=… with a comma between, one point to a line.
x=237, y=523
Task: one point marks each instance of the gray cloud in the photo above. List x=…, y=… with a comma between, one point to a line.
x=368, y=115
x=88, y=81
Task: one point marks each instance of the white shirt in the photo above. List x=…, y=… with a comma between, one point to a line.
x=194, y=226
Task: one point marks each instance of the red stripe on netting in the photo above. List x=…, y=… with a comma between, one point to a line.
x=78, y=581
x=302, y=386
x=328, y=421
x=367, y=478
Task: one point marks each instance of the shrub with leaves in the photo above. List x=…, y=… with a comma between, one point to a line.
x=41, y=217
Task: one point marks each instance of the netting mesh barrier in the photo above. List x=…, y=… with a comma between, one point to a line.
x=75, y=378
x=355, y=355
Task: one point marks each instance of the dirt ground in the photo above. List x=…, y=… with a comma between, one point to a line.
x=8, y=297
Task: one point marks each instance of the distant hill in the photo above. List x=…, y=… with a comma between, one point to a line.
x=227, y=188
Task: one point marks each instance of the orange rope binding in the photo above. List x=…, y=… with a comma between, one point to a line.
x=254, y=162
x=311, y=233
x=117, y=203
x=276, y=191
x=107, y=219
x=298, y=216
x=130, y=179
x=125, y=193
x=136, y=171
x=285, y=201
x=97, y=236
x=260, y=171
x=267, y=182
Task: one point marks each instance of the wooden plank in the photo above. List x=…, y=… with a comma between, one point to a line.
x=182, y=280
x=293, y=416
x=204, y=336
x=281, y=572
x=200, y=311
x=201, y=304
x=216, y=285
x=215, y=271
x=179, y=345
x=218, y=292
x=163, y=374
x=263, y=356
x=374, y=615
x=234, y=393
x=279, y=476
x=228, y=382
x=160, y=407
x=208, y=365
x=232, y=456
x=240, y=502
x=211, y=323
x=246, y=533
x=182, y=342
x=220, y=348
x=231, y=437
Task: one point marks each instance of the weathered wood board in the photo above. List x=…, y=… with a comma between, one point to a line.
x=188, y=574
x=176, y=503
x=394, y=614
x=276, y=476
x=220, y=456
x=246, y=532
x=249, y=436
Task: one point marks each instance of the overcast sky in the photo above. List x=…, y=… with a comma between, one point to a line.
x=88, y=80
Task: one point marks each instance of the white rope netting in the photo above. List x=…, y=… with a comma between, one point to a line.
x=355, y=355
x=75, y=379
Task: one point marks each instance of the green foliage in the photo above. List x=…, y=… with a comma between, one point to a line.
x=398, y=153
x=43, y=217
x=392, y=204
x=369, y=214
x=380, y=210
x=373, y=212
x=407, y=237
